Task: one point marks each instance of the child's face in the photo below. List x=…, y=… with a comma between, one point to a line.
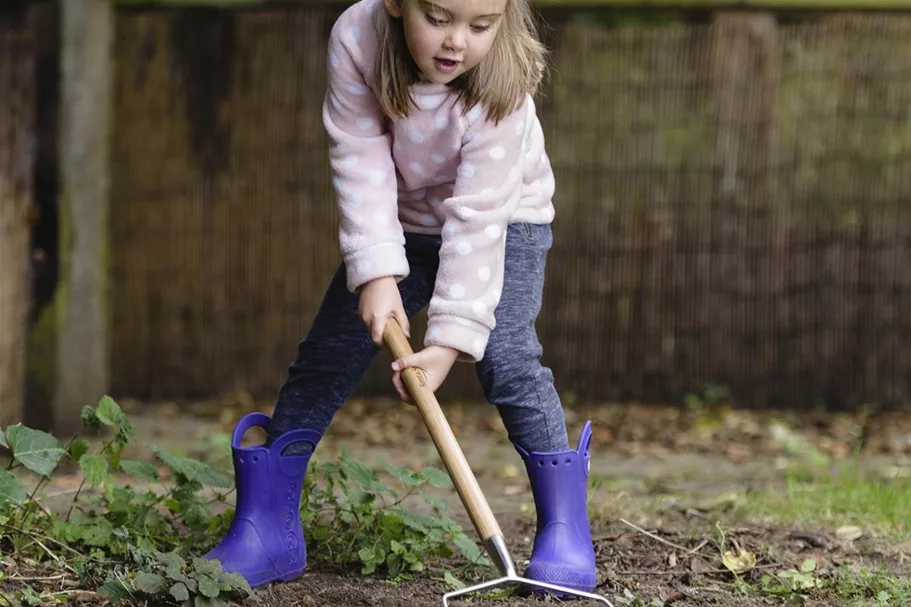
x=447, y=38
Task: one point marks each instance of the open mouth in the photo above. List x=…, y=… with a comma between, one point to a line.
x=446, y=65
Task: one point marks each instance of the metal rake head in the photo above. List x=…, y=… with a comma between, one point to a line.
x=496, y=547
x=516, y=579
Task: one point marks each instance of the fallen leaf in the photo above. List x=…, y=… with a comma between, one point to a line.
x=715, y=502
x=738, y=453
x=744, y=560
x=849, y=532
x=672, y=559
x=509, y=471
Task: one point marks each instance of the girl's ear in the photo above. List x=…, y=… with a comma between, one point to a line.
x=394, y=8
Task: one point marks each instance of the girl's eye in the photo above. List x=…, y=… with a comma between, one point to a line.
x=480, y=29
x=433, y=20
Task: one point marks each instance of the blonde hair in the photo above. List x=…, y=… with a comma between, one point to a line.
x=514, y=67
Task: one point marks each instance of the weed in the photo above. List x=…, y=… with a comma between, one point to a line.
x=871, y=588
x=139, y=544
x=345, y=501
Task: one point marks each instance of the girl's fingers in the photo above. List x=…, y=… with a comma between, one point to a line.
x=400, y=387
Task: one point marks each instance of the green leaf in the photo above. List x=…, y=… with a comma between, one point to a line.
x=435, y=503
x=503, y=593
x=193, y=470
x=143, y=471
x=236, y=581
x=95, y=468
x=452, y=581
x=170, y=559
x=469, y=549
x=36, y=450
x=175, y=572
x=90, y=418
x=179, y=591
x=115, y=590
x=98, y=533
x=403, y=475
x=210, y=567
x=207, y=586
x=78, y=448
x=435, y=476
x=362, y=475
x=109, y=412
x=149, y=583
x=2, y=439
x=418, y=522
x=11, y=491
x=365, y=554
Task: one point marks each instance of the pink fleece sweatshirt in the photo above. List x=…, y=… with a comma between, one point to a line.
x=436, y=172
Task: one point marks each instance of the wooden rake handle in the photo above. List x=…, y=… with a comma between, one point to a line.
x=453, y=458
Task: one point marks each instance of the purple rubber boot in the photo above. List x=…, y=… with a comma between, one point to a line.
x=563, y=552
x=265, y=541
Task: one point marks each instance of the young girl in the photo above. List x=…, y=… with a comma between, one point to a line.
x=444, y=193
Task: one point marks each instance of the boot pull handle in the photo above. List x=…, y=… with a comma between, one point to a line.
x=440, y=431
x=250, y=420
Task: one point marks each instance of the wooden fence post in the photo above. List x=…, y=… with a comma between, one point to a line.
x=16, y=128
x=82, y=346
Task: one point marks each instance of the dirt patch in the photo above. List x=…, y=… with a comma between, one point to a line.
x=631, y=563
x=667, y=555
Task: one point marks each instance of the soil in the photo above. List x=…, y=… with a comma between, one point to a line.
x=686, y=464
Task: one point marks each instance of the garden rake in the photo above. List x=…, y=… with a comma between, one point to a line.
x=463, y=478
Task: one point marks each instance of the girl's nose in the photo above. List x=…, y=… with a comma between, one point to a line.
x=456, y=40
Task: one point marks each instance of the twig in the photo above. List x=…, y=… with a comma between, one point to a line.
x=53, y=494
x=74, y=594
x=31, y=499
x=126, y=586
x=6, y=601
x=75, y=499
x=37, y=537
x=699, y=547
x=667, y=572
x=655, y=537
x=695, y=513
x=37, y=579
x=56, y=557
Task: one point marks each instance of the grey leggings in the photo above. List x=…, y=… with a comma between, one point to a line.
x=337, y=352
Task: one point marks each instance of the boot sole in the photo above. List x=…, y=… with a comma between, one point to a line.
x=561, y=576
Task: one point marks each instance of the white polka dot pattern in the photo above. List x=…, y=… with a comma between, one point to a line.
x=452, y=173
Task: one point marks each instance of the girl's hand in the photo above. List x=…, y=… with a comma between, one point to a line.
x=434, y=361
x=380, y=299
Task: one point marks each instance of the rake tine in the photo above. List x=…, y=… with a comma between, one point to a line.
x=521, y=580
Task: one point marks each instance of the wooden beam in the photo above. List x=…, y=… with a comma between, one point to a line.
x=16, y=128
x=800, y=5
x=87, y=71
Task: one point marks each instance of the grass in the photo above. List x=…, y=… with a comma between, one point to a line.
x=857, y=518
x=848, y=502
x=869, y=587
x=850, y=496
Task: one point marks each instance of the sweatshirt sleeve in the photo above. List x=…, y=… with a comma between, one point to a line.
x=360, y=154
x=487, y=191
